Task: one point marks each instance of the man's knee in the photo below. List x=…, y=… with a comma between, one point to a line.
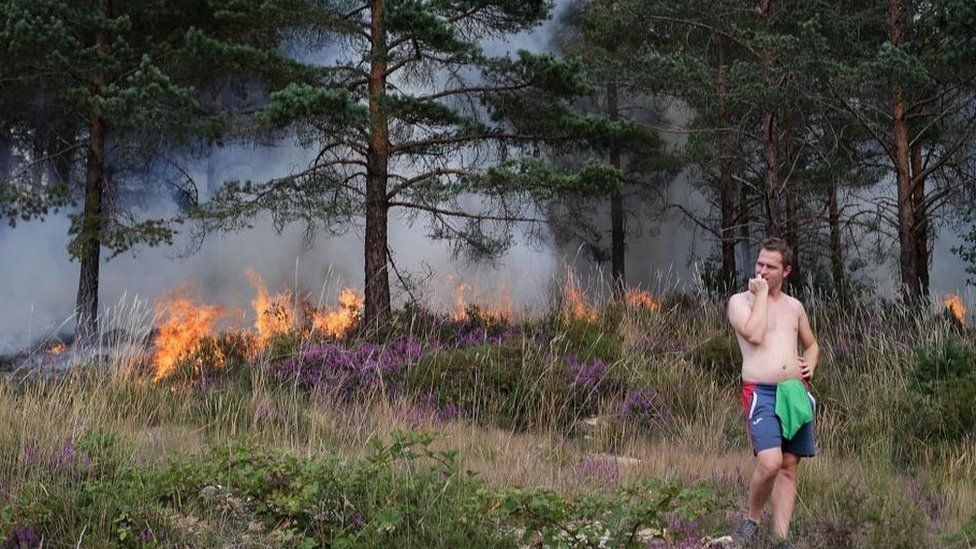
x=769, y=463
x=788, y=466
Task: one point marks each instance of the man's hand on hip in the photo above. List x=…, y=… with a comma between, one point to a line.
x=806, y=368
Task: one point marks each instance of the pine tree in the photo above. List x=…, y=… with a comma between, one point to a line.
x=903, y=76
x=608, y=42
x=412, y=114
x=109, y=82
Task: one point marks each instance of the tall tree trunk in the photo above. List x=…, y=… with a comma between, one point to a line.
x=377, y=284
x=744, y=218
x=792, y=221
x=90, y=237
x=836, y=252
x=775, y=223
x=6, y=155
x=920, y=209
x=770, y=153
x=793, y=239
x=726, y=182
x=908, y=258
x=617, y=237
x=86, y=307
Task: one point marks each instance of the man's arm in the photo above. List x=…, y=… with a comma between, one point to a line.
x=811, y=350
x=749, y=322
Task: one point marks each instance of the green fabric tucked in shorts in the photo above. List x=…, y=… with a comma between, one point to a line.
x=793, y=406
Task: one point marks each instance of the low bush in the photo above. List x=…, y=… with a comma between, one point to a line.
x=401, y=494
x=945, y=360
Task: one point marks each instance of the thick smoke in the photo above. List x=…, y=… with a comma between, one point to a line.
x=38, y=283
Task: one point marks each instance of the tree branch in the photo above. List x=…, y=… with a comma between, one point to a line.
x=454, y=213
x=407, y=183
x=471, y=90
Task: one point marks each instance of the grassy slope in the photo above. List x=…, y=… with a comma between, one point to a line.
x=872, y=483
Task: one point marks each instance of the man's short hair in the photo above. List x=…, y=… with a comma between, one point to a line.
x=776, y=244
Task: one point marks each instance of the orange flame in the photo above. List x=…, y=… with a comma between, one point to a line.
x=496, y=311
x=638, y=298
x=956, y=307
x=275, y=315
x=185, y=324
x=337, y=323
x=504, y=308
x=575, y=304
x=460, y=302
x=56, y=349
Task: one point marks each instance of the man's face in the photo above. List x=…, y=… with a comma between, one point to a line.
x=769, y=265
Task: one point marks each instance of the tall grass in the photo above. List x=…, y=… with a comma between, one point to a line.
x=577, y=407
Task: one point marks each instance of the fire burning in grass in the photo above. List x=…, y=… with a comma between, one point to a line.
x=337, y=323
x=56, y=349
x=185, y=324
x=575, y=304
x=460, y=312
x=500, y=310
x=956, y=307
x=275, y=314
x=634, y=298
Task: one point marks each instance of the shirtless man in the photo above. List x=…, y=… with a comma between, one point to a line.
x=768, y=325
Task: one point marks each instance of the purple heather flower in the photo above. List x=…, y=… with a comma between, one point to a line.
x=30, y=453
x=644, y=408
x=449, y=412
x=427, y=409
x=330, y=368
x=66, y=455
x=590, y=376
x=23, y=536
x=473, y=336
x=682, y=529
x=933, y=506
x=602, y=469
x=356, y=520
x=843, y=350
x=508, y=333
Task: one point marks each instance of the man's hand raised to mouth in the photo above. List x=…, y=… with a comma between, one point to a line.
x=759, y=286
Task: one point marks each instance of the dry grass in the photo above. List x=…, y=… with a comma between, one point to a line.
x=703, y=440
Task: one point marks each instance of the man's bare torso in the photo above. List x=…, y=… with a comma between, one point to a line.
x=775, y=359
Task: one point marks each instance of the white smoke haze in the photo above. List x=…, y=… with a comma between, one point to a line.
x=38, y=282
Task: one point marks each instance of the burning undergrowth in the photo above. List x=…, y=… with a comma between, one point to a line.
x=188, y=345
x=474, y=361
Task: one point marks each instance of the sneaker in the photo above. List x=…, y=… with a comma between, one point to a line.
x=746, y=533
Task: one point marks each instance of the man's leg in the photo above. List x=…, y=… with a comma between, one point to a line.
x=784, y=495
x=769, y=463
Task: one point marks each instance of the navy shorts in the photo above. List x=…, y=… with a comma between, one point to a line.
x=765, y=432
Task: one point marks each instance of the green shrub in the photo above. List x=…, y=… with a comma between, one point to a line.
x=720, y=355
x=861, y=512
x=965, y=536
x=513, y=385
x=593, y=339
x=948, y=359
x=285, y=344
x=84, y=490
x=940, y=409
x=632, y=516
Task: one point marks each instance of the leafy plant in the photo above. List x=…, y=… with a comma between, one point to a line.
x=942, y=361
